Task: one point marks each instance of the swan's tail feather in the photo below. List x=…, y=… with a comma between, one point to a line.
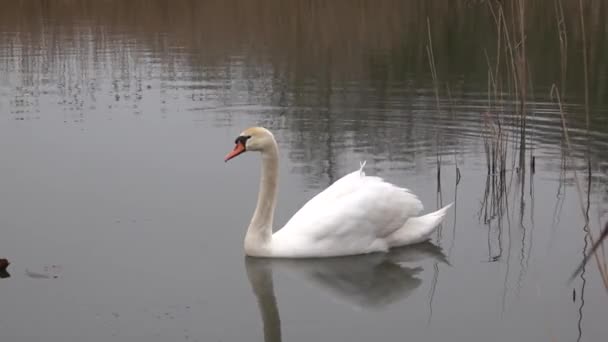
x=361, y=166
x=418, y=229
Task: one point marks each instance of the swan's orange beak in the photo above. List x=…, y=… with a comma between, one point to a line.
x=238, y=149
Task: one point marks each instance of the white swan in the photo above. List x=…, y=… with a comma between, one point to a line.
x=357, y=214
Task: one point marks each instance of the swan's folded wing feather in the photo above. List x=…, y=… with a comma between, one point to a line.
x=340, y=188
x=352, y=220
x=377, y=208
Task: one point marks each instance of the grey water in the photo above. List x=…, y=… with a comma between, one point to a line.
x=123, y=223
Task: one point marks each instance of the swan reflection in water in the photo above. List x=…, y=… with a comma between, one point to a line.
x=365, y=281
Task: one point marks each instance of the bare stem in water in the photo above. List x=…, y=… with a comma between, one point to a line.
x=563, y=43
x=585, y=68
x=601, y=263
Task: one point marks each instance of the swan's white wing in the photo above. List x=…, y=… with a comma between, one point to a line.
x=352, y=216
x=340, y=188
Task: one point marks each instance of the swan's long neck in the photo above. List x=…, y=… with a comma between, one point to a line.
x=259, y=232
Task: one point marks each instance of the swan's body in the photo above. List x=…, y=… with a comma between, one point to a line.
x=357, y=214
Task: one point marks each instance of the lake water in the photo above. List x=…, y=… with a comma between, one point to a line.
x=123, y=223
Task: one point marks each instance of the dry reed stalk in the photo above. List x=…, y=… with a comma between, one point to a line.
x=494, y=142
x=431, y=59
x=585, y=67
x=516, y=66
x=451, y=102
x=563, y=43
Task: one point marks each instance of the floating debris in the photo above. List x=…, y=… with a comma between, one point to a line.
x=3, y=265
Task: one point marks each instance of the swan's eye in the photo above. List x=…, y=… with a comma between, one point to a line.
x=242, y=139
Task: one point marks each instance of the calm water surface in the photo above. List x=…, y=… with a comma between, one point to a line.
x=123, y=223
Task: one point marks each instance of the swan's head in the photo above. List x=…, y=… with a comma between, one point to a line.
x=252, y=139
